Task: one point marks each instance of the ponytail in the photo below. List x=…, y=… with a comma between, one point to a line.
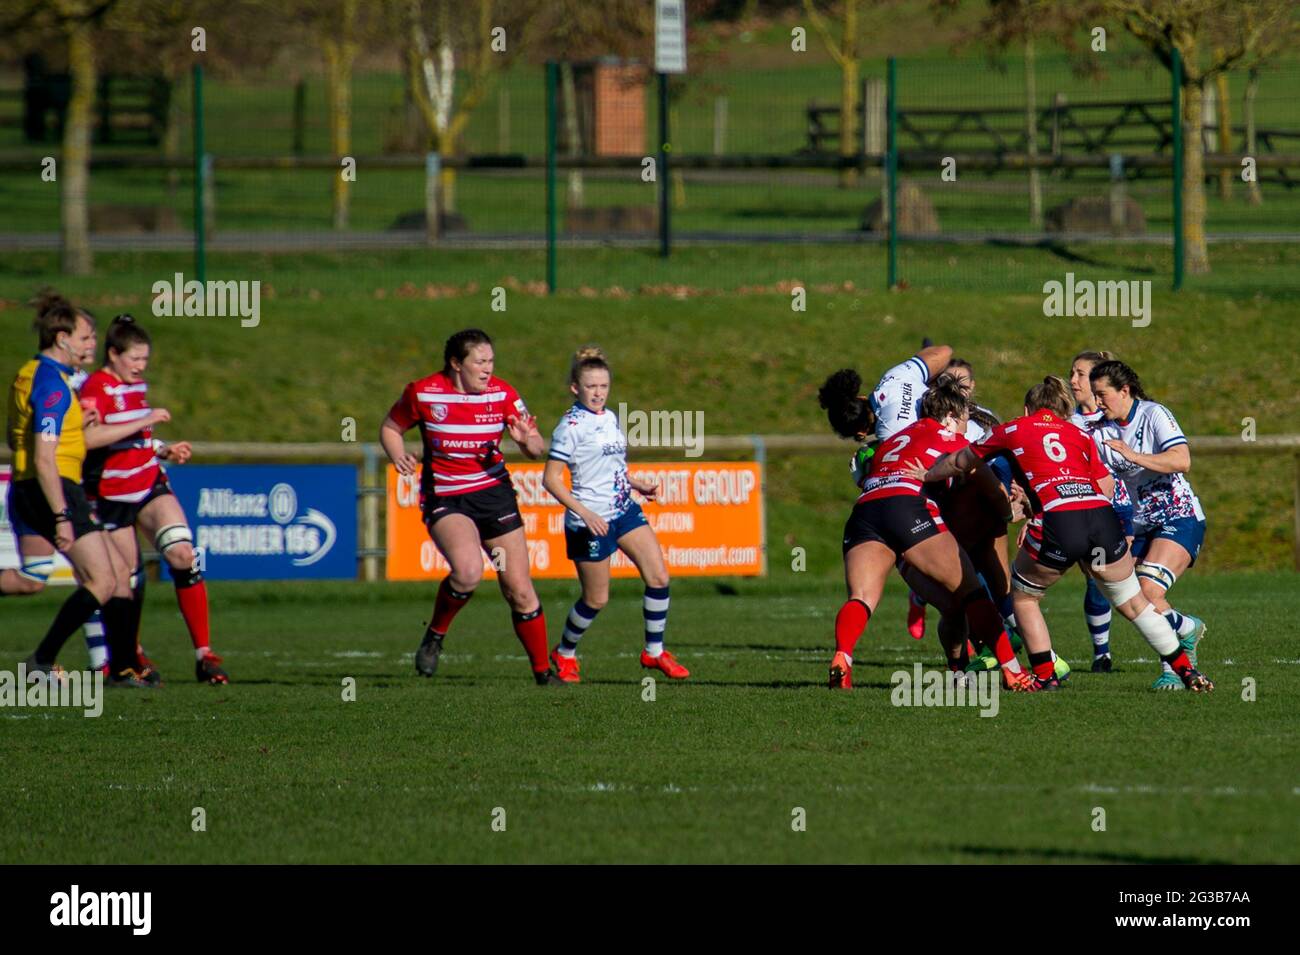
x=1052, y=395
x=848, y=411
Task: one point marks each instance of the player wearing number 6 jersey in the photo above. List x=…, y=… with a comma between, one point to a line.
x=1061, y=470
x=1148, y=451
x=602, y=517
x=894, y=518
x=468, y=503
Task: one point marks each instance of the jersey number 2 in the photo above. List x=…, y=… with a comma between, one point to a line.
x=903, y=441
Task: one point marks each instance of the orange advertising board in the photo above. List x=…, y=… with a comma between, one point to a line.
x=708, y=518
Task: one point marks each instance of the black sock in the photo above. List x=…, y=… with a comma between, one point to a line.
x=120, y=634
x=76, y=610
x=137, y=603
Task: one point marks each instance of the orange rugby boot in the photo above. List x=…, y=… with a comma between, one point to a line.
x=666, y=664
x=565, y=667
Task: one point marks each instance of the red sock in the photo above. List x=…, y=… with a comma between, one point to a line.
x=448, y=603
x=530, y=628
x=849, y=624
x=1180, y=663
x=193, y=599
x=986, y=625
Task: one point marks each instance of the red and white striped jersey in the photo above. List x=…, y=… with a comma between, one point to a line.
x=125, y=470
x=461, y=432
x=1055, y=460
x=925, y=440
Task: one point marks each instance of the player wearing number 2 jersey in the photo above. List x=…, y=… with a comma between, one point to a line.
x=895, y=518
x=1148, y=451
x=1061, y=470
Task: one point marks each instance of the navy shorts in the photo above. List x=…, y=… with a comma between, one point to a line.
x=580, y=544
x=1187, y=532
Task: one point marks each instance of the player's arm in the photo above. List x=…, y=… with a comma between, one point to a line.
x=102, y=435
x=390, y=439
x=936, y=358
x=953, y=465
x=553, y=481
x=1175, y=460
x=527, y=437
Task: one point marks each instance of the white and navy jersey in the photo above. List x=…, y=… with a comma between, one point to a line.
x=1150, y=428
x=1095, y=424
x=897, y=396
x=976, y=432
x=595, y=449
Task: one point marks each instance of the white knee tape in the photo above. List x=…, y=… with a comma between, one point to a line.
x=1026, y=586
x=37, y=568
x=171, y=535
x=1120, y=591
x=1155, y=628
x=1157, y=573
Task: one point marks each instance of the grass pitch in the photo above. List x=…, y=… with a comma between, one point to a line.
x=710, y=771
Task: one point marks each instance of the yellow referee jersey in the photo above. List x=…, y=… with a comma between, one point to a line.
x=44, y=406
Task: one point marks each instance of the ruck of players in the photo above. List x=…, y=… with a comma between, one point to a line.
x=1096, y=471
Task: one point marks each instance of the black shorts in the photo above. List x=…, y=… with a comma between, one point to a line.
x=900, y=522
x=30, y=511
x=494, y=510
x=1093, y=535
x=115, y=514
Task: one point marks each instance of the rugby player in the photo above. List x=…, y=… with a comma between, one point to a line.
x=129, y=489
x=601, y=517
x=468, y=503
x=1149, y=453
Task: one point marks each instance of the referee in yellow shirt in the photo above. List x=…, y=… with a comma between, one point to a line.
x=45, y=493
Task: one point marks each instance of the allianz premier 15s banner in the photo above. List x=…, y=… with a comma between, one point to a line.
x=708, y=518
x=271, y=521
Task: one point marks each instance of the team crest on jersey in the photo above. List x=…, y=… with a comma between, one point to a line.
x=439, y=412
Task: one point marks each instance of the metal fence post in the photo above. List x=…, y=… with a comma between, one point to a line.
x=552, y=69
x=665, y=234
x=891, y=169
x=1175, y=102
x=200, y=170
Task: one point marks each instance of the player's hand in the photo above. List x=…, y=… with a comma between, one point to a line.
x=159, y=416
x=647, y=489
x=916, y=470
x=521, y=429
x=1020, y=538
x=407, y=464
x=177, y=453
x=595, y=523
x=1120, y=448
x=89, y=413
x=63, y=538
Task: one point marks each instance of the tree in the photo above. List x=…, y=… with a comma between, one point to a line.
x=481, y=40
x=1211, y=38
x=844, y=51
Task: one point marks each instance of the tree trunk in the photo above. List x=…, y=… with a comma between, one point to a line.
x=340, y=54
x=572, y=132
x=1253, y=195
x=1031, y=137
x=849, y=91
x=1198, y=259
x=75, y=174
x=1224, y=122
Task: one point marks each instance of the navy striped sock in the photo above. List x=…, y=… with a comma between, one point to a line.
x=579, y=619
x=654, y=606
